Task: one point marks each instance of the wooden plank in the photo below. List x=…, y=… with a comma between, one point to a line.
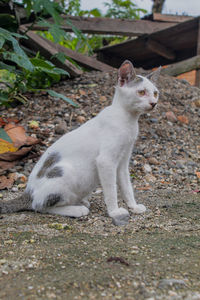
x=122, y=27
x=37, y=43
x=160, y=49
x=82, y=60
x=182, y=39
x=170, y=18
x=197, y=79
x=182, y=66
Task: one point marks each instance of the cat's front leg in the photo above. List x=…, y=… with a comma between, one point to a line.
x=127, y=189
x=108, y=175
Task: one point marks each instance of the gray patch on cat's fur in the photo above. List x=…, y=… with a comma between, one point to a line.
x=23, y=202
x=137, y=80
x=52, y=199
x=51, y=160
x=55, y=172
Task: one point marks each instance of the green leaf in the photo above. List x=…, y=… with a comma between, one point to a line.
x=9, y=35
x=95, y=12
x=2, y=41
x=51, y=8
x=19, y=60
x=7, y=67
x=61, y=96
x=60, y=56
x=28, y=6
x=4, y=136
x=60, y=71
x=38, y=62
x=57, y=33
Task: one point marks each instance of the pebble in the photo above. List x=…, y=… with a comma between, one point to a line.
x=81, y=119
x=61, y=128
x=170, y=115
x=153, y=161
x=147, y=168
x=165, y=283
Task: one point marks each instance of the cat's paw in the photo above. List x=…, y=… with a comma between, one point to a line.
x=139, y=209
x=120, y=216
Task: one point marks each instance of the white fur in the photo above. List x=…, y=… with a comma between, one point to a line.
x=96, y=153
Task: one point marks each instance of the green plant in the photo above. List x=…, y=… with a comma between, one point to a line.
x=20, y=73
x=26, y=74
x=123, y=9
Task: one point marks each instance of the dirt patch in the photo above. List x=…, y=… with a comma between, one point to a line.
x=51, y=257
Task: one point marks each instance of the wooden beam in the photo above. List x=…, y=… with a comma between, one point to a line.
x=121, y=27
x=82, y=60
x=182, y=66
x=170, y=18
x=45, y=45
x=160, y=49
x=36, y=42
x=197, y=79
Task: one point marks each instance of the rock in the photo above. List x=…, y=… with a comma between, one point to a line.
x=165, y=283
x=153, y=161
x=153, y=120
x=21, y=178
x=197, y=103
x=33, y=124
x=150, y=178
x=81, y=119
x=102, y=98
x=183, y=119
x=147, y=168
x=193, y=296
x=170, y=115
x=61, y=128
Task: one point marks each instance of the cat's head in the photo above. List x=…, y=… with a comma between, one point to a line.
x=139, y=93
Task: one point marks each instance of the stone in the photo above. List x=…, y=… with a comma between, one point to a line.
x=183, y=119
x=81, y=119
x=170, y=115
x=197, y=103
x=61, y=128
x=150, y=178
x=147, y=168
x=102, y=98
x=165, y=283
x=153, y=161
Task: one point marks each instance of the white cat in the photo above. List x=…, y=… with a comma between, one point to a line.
x=96, y=153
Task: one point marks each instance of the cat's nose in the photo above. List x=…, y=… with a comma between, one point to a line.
x=153, y=104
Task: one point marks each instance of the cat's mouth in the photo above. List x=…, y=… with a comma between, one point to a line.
x=152, y=106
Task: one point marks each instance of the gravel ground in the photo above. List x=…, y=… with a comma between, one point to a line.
x=156, y=256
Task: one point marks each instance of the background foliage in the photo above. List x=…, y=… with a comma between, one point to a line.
x=20, y=71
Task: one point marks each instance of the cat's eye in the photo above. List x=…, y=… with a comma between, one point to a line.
x=141, y=92
x=155, y=94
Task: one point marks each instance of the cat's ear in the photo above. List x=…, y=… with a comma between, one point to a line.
x=126, y=73
x=154, y=75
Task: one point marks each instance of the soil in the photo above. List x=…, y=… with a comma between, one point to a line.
x=155, y=256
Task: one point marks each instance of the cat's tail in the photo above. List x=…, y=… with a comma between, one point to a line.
x=23, y=202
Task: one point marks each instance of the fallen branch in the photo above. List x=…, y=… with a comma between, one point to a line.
x=182, y=66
